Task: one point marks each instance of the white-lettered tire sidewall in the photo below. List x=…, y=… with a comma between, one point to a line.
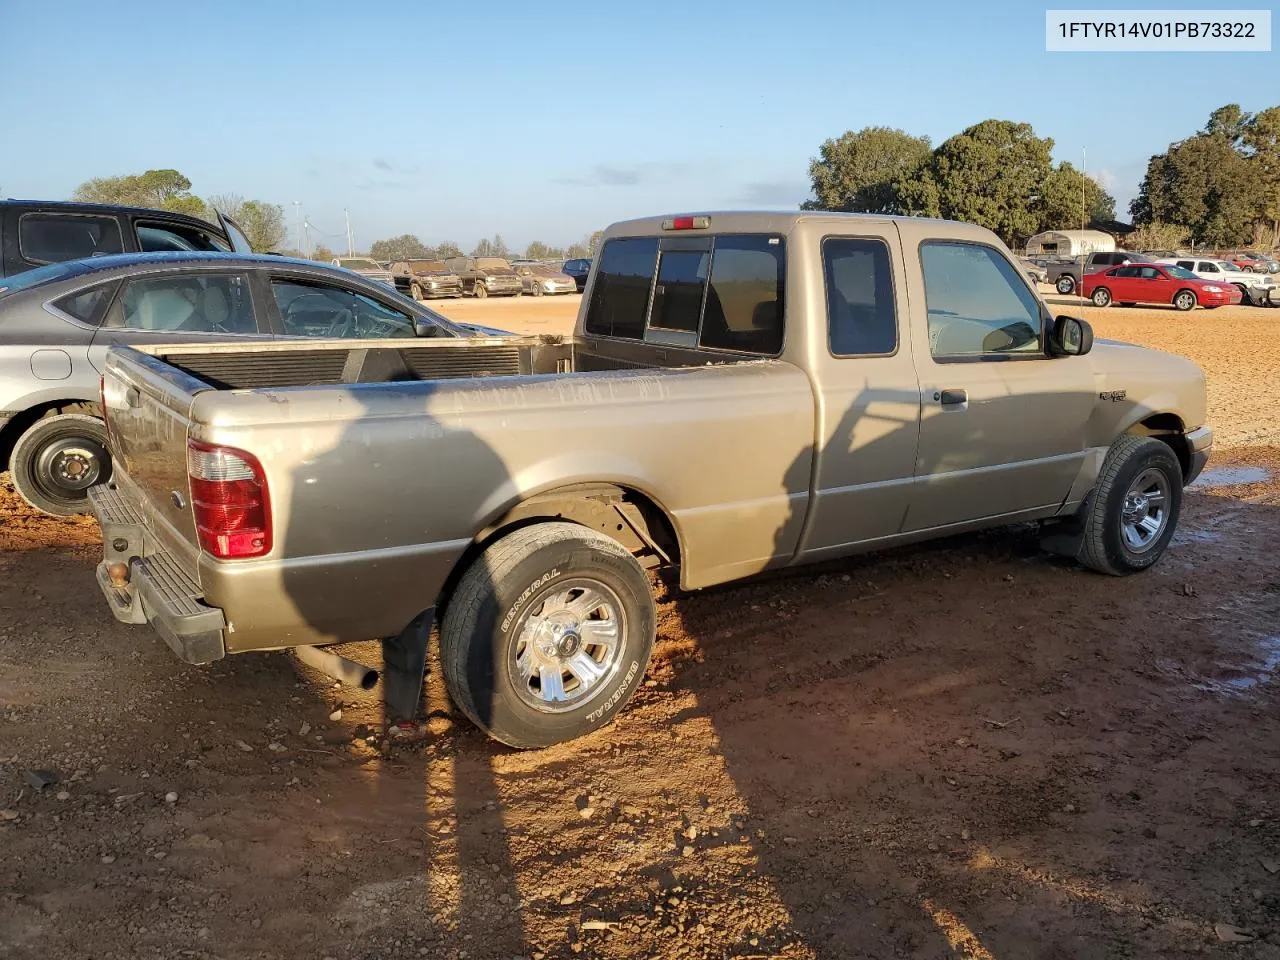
x=1118, y=554
x=489, y=664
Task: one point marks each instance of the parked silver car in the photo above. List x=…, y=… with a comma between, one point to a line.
x=538, y=278
x=57, y=321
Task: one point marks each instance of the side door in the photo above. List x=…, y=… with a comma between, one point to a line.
x=179, y=307
x=1152, y=285
x=301, y=306
x=868, y=395
x=1126, y=285
x=1002, y=426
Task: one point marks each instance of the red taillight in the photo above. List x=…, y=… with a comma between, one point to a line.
x=686, y=223
x=230, y=502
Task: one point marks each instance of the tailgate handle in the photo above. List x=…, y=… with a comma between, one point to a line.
x=133, y=397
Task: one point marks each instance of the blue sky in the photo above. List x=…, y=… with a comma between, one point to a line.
x=546, y=121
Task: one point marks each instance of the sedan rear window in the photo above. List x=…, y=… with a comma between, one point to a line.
x=87, y=306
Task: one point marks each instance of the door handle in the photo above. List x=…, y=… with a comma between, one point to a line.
x=950, y=398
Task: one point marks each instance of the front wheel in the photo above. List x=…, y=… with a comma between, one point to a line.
x=537, y=290
x=1185, y=300
x=1133, y=510
x=418, y=292
x=1102, y=297
x=547, y=635
x=1066, y=283
x=481, y=290
x=57, y=460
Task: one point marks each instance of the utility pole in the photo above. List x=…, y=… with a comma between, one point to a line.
x=351, y=249
x=297, y=209
x=306, y=226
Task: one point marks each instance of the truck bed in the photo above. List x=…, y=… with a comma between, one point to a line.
x=290, y=364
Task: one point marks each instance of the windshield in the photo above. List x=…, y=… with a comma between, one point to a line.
x=359, y=263
x=428, y=266
x=492, y=263
x=32, y=278
x=1224, y=265
x=1179, y=273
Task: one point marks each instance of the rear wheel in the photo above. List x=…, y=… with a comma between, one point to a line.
x=1102, y=297
x=1133, y=511
x=1184, y=300
x=1066, y=283
x=547, y=635
x=57, y=460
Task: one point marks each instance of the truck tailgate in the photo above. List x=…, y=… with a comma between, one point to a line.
x=147, y=403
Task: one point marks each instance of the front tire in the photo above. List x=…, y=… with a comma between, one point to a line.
x=417, y=292
x=547, y=635
x=57, y=460
x=1102, y=297
x=480, y=290
x=1066, y=283
x=1185, y=300
x=1133, y=510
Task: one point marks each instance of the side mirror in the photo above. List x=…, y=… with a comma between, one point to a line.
x=1070, y=337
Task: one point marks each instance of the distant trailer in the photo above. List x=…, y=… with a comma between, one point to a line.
x=1069, y=243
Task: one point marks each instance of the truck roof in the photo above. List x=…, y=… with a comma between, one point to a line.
x=775, y=221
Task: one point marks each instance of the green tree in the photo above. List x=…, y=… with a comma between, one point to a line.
x=158, y=189
x=991, y=174
x=1229, y=122
x=1205, y=184
x=404, y=247
x=859, y=171
x=1262, y=137
x=263, y=223
x=1066, y=194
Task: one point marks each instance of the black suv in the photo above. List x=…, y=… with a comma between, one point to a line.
x=578, y=269
x=36, y=232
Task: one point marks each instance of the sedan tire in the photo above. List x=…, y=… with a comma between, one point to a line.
x=547, y=635
x=57, y=460
x=1184, y=300
x=1101, y=297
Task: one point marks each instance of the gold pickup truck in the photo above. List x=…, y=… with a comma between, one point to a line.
x=744, y=391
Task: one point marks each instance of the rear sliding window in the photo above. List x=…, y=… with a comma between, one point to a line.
x=730, y=296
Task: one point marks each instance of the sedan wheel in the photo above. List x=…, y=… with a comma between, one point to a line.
x=1185, y=300
x=1102, y=297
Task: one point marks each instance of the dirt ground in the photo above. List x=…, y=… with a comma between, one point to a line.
x=966, y=749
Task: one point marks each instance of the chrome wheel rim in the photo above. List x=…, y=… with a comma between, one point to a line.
x=569, y=645
x=1065, y=285
x=1185, y=301
x=1102, y=298
x=1146, y=510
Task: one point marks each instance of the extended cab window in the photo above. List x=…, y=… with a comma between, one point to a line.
x=677, y=299
x=315, y=310
x=620, y=298
x=978, y=305
x=191, y=303
x=744, y=298
x=860, y=311
x=57, y=237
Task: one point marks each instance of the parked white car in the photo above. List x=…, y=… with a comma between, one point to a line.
x=1256, y=288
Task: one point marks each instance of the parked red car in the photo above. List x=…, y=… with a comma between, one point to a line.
x=1157, y=283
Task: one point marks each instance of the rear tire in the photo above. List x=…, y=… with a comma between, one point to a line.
x=57, y=459
x=1065, y=285
x=1101, y=297
x=1184, y=300
x=525, y=647
x=1132, y=512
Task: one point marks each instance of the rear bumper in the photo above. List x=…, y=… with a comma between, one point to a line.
x=158, y=591
x=1201, y=444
